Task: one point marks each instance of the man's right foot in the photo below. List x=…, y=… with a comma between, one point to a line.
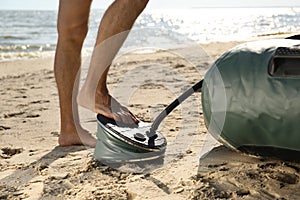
x=108, y=106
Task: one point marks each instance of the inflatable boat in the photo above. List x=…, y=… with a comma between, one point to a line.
x=251, y=97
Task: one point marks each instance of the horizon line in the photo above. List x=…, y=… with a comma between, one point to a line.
x=197, y=7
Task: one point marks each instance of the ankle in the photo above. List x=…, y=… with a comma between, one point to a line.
x=68, y=127
x=102, y=90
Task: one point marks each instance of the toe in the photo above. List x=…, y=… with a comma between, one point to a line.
x=133, y=118
x=129, y=117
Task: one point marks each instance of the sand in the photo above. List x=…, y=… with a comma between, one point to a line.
x=33, y=166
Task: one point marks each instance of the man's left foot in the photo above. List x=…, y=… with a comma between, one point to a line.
x=72, y=136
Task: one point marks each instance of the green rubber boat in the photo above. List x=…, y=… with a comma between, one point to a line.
x=251, y=97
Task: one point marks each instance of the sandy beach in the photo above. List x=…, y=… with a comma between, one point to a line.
x=33, y=166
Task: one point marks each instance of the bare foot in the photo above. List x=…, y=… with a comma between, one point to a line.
x=106, y=105
x=72, y=136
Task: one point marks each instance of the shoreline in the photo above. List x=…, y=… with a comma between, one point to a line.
x=31, y=55
x=22, y=65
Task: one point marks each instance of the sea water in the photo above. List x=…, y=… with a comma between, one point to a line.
x=27, y=34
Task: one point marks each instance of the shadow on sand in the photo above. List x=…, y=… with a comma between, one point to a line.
x=28, y=172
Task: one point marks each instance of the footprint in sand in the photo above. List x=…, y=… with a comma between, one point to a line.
x=9, y=192
x=281, y=176
x=8, y=152
x=285, y=177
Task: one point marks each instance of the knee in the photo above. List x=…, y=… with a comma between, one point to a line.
x=73, y=34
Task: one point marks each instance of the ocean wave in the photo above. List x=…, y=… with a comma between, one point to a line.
x=27, y=48
x=6, y=37
x=17, y=55
x=24, y=55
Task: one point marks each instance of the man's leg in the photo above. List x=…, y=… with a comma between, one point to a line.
x=113, y=30
x=72, y=29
